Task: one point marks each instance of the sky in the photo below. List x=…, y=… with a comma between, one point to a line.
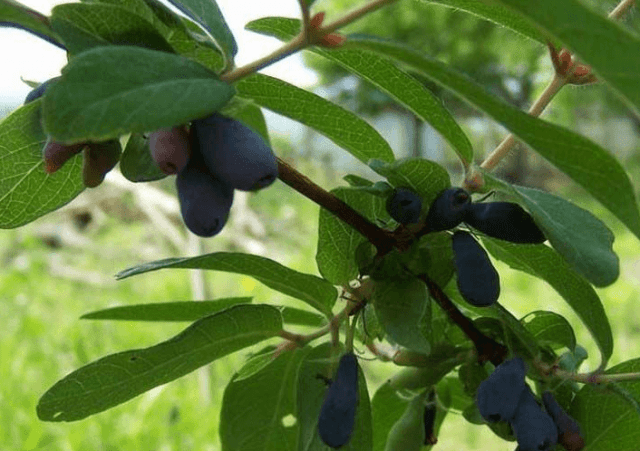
x=24, y=55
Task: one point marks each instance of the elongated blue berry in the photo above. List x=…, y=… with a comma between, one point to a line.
x=448, y=210
x=504, y=220
x=534, y=428
x=498, y=395
x=234, y=153
x=478, y=280
x=404, y=206
x=98, y=160
x=338, y=412
x=205, y=201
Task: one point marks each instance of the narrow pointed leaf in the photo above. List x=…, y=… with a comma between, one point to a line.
x=497, y=14
x=82, y=26
x=589, y=165
x=612, y=51
x=26, y=190
x=313, y=290
x=207, y=14
x=110, y=91
x=342, y=127
x=583, y=240
x=15, y=14
x=544, y=263
x=609, y=422
x=247, y=425
x=120, y=377
x=166, y=311
x=384, y=75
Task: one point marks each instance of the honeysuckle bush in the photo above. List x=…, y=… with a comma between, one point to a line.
x=384, y=290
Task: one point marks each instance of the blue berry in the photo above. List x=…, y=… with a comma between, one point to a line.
x=448, y=210
x=504, y=220
x=338, y=412
x=478, y=281
x=498, y=395
x=404, y=206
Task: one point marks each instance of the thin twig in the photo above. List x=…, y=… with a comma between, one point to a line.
x=621, y=9
x=536, y=109
x=304, y=12
x=302, y=40
x=380, y=238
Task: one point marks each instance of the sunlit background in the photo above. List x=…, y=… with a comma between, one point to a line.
x=62, y=265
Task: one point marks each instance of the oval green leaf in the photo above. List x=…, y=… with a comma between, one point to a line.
x=106, y=92
x=313, y=290
x=117, y=378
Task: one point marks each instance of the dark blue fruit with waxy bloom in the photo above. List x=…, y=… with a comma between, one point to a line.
x=234, y=153
x=498, y=395
x=569, y=434
x=38, y=91
x=534, y=428
x=478, y=280
x=205, y=201
x=338, y=412
x=448, y=210
x=506, y=221
x=404, y=206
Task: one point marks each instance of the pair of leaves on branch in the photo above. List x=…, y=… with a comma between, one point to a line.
x=505, y=396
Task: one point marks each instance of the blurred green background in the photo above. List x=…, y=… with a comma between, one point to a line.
x=62, y=265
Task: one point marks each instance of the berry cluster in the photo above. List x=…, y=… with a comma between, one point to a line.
x=478, y=281
x=505, y=396
x=211, y=159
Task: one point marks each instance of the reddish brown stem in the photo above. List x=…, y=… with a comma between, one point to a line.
x=380, y=238
x=487, y=348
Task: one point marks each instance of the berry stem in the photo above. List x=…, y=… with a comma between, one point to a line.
x=304, y=39
x=380, y=238
x=487, y=348
x=304, y=12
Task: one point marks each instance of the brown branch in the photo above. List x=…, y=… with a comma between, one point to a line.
x=381, y=239
x=487, y=348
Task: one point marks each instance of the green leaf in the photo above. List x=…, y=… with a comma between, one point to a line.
x=110, y=91
x=526, y=342
x=310, y=396
x=384, y=75
x=166, y=311
x=337, y=241
x=407, y=433
x=342, y=127
x=136, y=163
x=249, y=114
x=551, y=329
x=589, y=165
x=184, y=36
x=401, y=306
x=542, y=262
x=15, y=14
x=120, y=377
x=609, y=422
x=387, y=408
x=207, y=14
x=26, y=191
x=82, y=26
x=497, y=14
x=611, y=50
x=291, y=315
x=425, y=177
x=313, y=290
x=583, y=240
x=356, y=181
x=253, y=408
